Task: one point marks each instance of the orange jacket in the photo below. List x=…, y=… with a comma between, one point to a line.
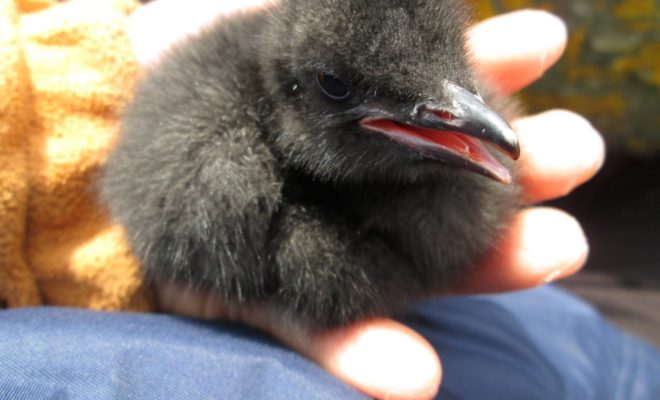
x=66, y=69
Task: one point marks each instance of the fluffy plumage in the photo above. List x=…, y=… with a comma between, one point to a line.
x=236, y=172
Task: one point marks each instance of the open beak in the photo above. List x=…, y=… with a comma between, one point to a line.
x=452, y=134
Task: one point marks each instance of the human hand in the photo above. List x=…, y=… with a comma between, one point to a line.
x=381, y=357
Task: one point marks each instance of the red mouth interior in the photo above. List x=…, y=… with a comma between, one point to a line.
x=465, y=146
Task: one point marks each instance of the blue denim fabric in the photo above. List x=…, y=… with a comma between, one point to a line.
x=538, y=344
x=535, y=345
x=52, y=353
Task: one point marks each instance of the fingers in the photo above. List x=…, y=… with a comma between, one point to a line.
x=540, y=246
x=382, y=358
x=560, y=150
x=513, y=50
x=510, y=51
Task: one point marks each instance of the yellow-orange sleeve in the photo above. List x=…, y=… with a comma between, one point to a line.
x=81, y=71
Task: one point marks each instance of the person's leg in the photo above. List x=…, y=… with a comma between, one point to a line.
x=536, y=344
x=539, y=344
x=54, y=353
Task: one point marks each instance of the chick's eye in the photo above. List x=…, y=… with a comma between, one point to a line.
x=333, y=87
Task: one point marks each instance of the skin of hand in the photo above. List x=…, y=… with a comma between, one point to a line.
x=381, y=357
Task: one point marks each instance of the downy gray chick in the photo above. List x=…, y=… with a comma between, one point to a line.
x=331, y=157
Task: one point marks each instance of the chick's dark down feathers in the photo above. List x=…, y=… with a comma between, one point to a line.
x=235, y=172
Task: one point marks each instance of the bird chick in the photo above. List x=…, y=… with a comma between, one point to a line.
x=332, y=158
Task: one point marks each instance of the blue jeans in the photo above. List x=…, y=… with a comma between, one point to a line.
x=537, y=344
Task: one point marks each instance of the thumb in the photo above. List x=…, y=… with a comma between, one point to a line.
x=380, y=357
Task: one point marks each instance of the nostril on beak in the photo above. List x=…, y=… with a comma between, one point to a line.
x=431, y=108
x=446, y=115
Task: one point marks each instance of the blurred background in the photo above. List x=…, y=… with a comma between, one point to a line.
x=611, y=74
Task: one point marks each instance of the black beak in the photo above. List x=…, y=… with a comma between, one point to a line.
x=451, y=133
x=470, y=116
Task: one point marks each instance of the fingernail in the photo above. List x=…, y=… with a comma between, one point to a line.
x=570, y=267
x=553, y=276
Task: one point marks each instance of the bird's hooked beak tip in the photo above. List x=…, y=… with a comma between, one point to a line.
x=453, y=134
x=478, y=120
